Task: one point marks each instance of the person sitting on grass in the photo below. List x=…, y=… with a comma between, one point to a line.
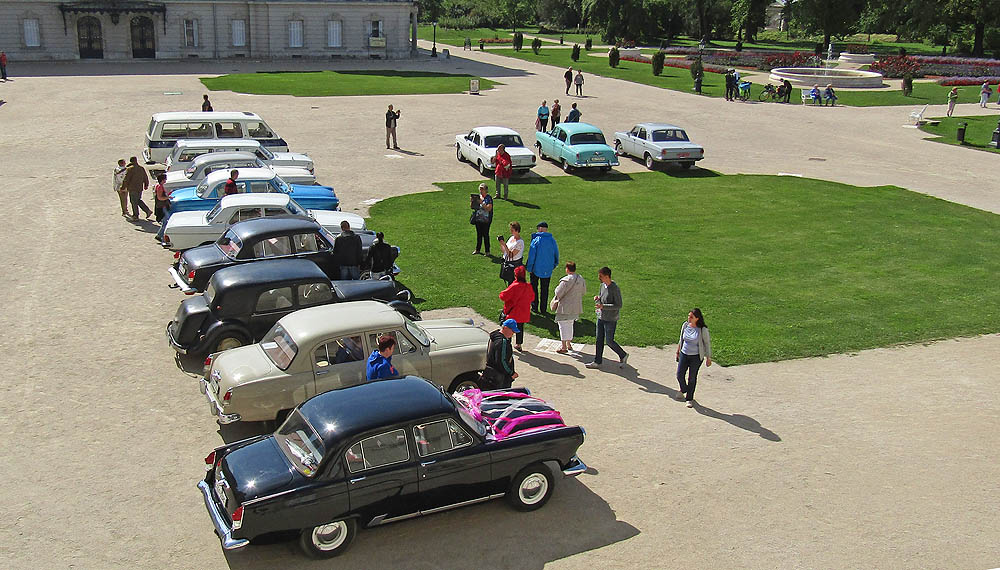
x=817, y=98
x=829, y=96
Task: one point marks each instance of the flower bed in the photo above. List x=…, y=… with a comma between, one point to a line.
x=897, y=66
x=962, y=81
x=497, y=40
x=680, y=64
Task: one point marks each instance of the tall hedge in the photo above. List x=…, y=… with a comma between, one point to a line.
x=658, y=62
x=536, y=45
x=575, y=54
x=697, y=68
x=589, y=44
x=518, y=41
x=613, y=57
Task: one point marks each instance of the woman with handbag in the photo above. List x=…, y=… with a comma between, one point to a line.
x=513, y=253
x=567, y=303
x=517, y=298
x=482, y=217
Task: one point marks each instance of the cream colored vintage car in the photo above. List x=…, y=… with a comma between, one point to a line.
x=323, y=348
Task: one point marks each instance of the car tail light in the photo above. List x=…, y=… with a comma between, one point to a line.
x=210, y=458
x=208, y=360
x=664, y=152
x=227, y=396
x=191, y=274
x=577, y=156
x=532, y=158
x=177, y=254
x=238, y=517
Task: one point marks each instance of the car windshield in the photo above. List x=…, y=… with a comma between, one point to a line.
x=587, y=138
x=417, y=332
x=494, y=141
x=300, y=443
x=189, y=171
x=279, y=347
x=294, y=208
x=268, y=155
x=203, y=189
x=214, y=211
x=230, y=244
x=280, y=185
x=475, y=425
x=667, y=135
x=209, y=293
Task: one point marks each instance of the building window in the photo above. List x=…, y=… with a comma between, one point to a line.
x=31, y=36
x=376, y=28
x=190, y=33
x=239, y=33
x=333, y=29
x=295, y=33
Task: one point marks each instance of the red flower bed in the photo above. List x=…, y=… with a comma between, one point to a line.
x=795, y=59
x=963, y=81
x=896, y=66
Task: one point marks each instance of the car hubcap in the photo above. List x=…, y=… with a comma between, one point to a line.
x=467, y=386
x=329, y=536
x=533, y=488
x=649, y=161
x=230, y=342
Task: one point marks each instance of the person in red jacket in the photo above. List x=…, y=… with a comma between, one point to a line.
x=517, y=300
x=502, y=170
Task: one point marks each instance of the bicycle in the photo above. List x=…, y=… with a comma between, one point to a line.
x=770, y=93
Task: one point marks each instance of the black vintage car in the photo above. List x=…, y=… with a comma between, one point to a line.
x=262, y=238
x=386, y=451
x=243, y=302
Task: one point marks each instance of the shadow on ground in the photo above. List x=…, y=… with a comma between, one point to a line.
x=738, y=420
x=490, y=535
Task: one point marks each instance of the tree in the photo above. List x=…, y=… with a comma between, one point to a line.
x=828, y=18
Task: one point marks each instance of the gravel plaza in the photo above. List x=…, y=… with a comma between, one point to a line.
x=883, y=459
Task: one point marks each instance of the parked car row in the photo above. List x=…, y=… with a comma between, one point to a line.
x=286, y=343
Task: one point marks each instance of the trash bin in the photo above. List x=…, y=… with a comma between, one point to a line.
x=961, y=132
x=473, y=87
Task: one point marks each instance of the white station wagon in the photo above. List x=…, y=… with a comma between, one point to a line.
x=197, y=227
x=323, y=348
x=480, y=147
x=209, y=163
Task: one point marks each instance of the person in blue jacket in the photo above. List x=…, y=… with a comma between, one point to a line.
x=380, y=361
x=543, y=257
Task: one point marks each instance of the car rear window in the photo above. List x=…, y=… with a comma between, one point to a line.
x=279, y=347
x=587, y=138
x=494, y=141
x=666, y=135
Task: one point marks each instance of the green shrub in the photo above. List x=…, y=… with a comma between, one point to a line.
x=518, y=41
x=697, y=68
x=575, y=54
x=658, y=62
x=536, y=45
x=613, y=57
x=589, y=44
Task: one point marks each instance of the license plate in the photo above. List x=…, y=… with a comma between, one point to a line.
x=598, y=159
x=683, y=154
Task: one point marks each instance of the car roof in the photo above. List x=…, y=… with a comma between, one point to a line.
x=255, y=199
x=654, y=126
x=205, y=116
x=573, y=128
x=307, y=325
x=212, y=143
x=349, y=412
x=277, y=225
x=245, y=174
x=223, y=157
x=489, y=131
x=266, y=272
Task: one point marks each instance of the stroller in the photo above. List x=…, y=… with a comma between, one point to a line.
x=744, y=94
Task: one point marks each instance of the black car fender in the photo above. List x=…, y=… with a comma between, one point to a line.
x=406, y=308
x=218, y=328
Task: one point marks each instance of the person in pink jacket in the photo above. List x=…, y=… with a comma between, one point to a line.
x=503, y=170
x=517, y=299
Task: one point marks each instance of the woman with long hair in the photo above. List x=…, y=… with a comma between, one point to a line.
x=513, y=252
x=694, y=346
x=517, y=298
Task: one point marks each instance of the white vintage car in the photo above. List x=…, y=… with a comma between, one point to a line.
x=197, y=227
x=658, y=142
x=323, y=348
x=480, y=147
x=209, y=163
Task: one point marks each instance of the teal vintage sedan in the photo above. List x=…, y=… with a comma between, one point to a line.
x=576, y=145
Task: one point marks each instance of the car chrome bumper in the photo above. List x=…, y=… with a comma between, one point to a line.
x=214, y=406
x=221, y=528
x=187, y=289
x=575, y=467
x=173, y=342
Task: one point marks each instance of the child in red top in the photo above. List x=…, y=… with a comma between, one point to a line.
x=162, y=199
x=517, y=300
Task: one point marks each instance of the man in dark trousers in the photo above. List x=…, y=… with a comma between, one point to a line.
x=390, y=127
x=206, y=105
x=380, y=257
x=730, y=85
x=347, y=252
x=568, y=76
x=3, y=66
x=543, y=257
x=788, y=89
x=499, y=371
x=136, y=180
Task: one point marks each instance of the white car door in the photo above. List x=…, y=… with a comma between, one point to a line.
x=467, y=148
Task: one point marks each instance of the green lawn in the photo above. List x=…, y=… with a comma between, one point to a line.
x=329, y=83
x=809, y=44
x=457, y=37
x=783, y=267
x=978, y=133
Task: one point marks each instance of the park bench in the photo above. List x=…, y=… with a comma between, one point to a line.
x=918, y=116
x=806, y=96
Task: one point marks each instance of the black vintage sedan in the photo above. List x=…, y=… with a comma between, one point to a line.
x=277, y=237
x=386, y=451
x=243, y=302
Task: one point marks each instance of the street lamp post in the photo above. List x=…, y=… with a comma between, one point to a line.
x=434, y=48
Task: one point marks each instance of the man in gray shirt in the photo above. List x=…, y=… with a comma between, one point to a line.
x=608, y=304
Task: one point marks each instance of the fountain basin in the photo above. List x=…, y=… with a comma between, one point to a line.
x=809, y=76
x=858, y=58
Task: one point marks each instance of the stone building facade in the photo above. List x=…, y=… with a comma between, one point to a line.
x=182, y=29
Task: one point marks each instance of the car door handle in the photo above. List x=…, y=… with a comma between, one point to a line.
x=322, y=372
x=353, y=481
x=426, y=463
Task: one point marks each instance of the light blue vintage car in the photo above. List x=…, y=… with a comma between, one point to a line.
x=576, y=145
x=257, y=180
